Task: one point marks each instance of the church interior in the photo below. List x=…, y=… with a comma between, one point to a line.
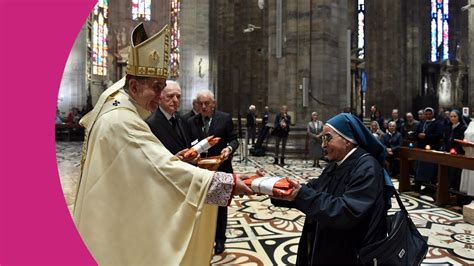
x=310, y=55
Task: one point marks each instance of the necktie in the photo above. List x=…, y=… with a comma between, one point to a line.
x=174, y=125
x=207, y=120
x=173, y=122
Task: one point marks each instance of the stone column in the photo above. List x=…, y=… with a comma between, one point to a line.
x=413, y=56
x=73, y=90
x=240, y=56
x=470, y=25
x=314, y=47
x=385, y=54
x=194, y=74
x=329, y=42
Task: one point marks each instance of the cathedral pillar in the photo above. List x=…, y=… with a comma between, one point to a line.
x=314, y=45
x=471, y=57
x=329, y=58
x=239, y=51
x=385, y=52
x=73, y=90
x=194, y=70
x=413, y=57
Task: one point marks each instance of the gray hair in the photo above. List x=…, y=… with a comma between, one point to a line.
x=314, y=113
x=392, y=123
x=170, y=83
x=375, y=123
x=139, y=79
x=205, y=93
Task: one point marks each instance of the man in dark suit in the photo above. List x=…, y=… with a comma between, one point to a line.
x=193, y=111
x=281, y=130
x=396, y=118
x=219, y=124
x=166, y=124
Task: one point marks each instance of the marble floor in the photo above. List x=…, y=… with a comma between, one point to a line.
x=262, y=234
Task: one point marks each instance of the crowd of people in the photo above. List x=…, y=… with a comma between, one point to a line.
x=437, y=131
x=433, y=131
x=72, y=117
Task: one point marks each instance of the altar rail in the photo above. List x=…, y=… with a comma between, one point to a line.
x=443, y=160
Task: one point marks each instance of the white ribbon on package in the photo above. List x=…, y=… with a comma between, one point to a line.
x=202, y=146
x=264, y=185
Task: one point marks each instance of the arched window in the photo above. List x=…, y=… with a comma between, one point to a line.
x=439, y=30
x=175, y=38
x=99, y=38
x=360, y=28
x=141, y=9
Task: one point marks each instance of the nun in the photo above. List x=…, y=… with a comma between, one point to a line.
x=346, y=207
x=429, y=135
x=455, y=130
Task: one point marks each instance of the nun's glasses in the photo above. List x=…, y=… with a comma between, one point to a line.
x=327, y=137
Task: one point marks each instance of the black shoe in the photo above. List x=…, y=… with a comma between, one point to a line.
x=220, y=247
x=275, y=161
x=282, y=161
x=314, y=165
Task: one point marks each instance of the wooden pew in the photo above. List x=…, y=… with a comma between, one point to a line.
x=442, y=159
x=68, y=130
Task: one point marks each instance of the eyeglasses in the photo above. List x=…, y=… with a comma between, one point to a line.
x=207, y=103
x=327, y=137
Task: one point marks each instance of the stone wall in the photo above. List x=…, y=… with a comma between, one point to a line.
x=73, y=89
x=194, y=72
x=241, y=57
x=315, y=46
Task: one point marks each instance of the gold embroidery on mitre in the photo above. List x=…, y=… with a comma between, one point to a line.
x=154, y=58
x=149, y=56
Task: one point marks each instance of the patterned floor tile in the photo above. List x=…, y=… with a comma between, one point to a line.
x=262, y=234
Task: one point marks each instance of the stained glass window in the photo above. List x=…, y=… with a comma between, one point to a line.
x=439, y=30
x=99, y=38
x=360, y=28
x=175, y=38
x=141, y=9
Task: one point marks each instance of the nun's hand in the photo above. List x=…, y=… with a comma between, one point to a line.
x=296, y=188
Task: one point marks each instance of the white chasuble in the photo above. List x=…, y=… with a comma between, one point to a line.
x=138, y=204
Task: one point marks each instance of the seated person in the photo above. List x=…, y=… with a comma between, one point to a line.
x=392, y=141
x=73, y=117
x=375, y=129
x=59, y=119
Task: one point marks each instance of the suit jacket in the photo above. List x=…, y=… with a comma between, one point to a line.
x=163, y=130
x=277, y=129
x=393, y=141
x=221, y=126
x=187, y=116
x=251, y=121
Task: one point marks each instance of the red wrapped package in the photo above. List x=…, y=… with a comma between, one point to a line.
x=201, y=147
x=270, y=185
